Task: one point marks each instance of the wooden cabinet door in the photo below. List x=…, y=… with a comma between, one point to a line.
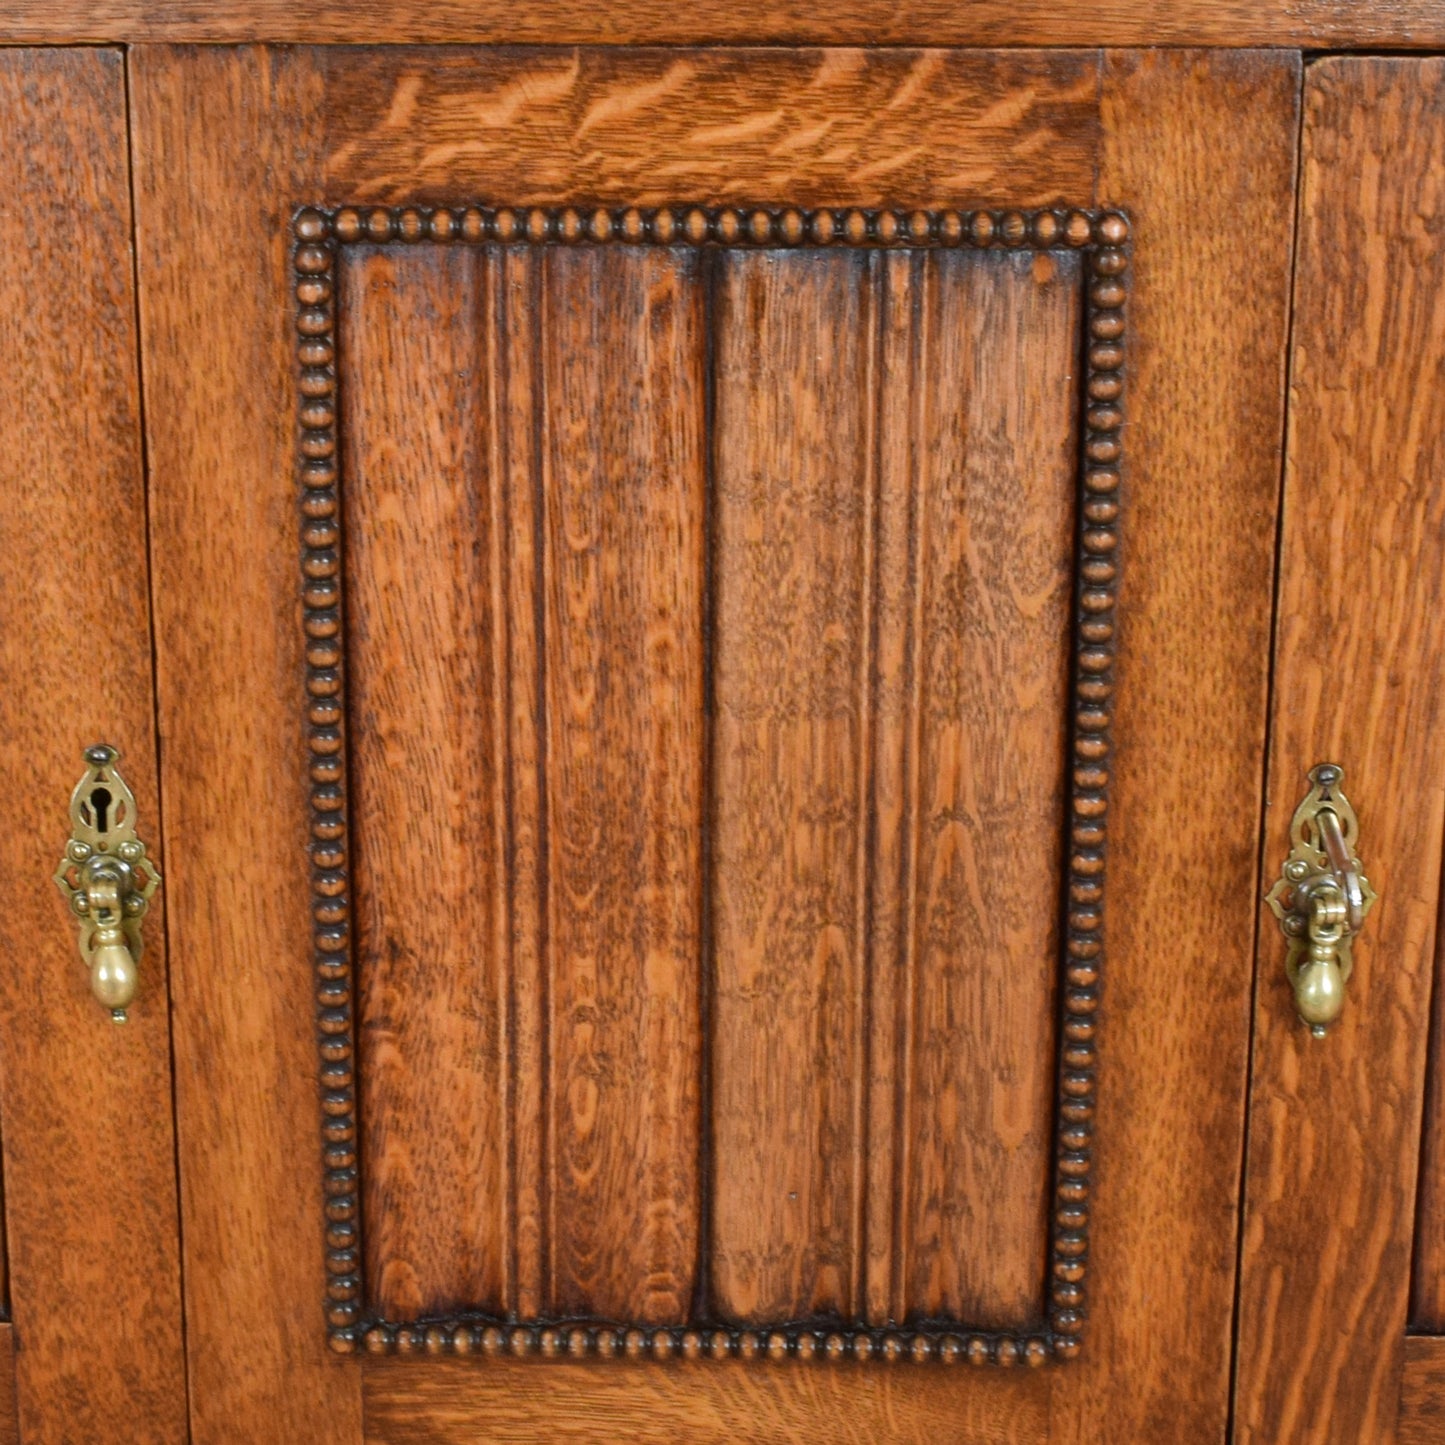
x=90, y=1343
x=712, y=628
x=1335, y=1157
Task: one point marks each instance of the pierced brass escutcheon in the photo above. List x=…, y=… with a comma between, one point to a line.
x=107, y=879
x=1321, y=898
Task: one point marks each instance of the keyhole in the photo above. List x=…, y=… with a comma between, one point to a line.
x=100, y=800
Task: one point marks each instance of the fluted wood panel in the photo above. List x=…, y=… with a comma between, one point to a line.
x=622, y=506
x=708, y=634
x=992, y=505
x=525, y=644
x=791, y=545
x=428, y=778
x=892, y=539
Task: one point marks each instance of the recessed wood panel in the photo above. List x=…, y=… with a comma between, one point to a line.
x=622, y=487
x=791, y=543
x=709, y=632
x=427, y=650
x=527, y=876
x=892, y=541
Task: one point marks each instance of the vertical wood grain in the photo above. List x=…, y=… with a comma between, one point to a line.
x=89, y=1166
x=622, y=524
x=224, y=141
x=1359, y=670
x=1200, y=149
x=789, y=561
x=894, y=456
x=996, y=387
x=1426, y=118
x=428, y=774
x=9, y=1412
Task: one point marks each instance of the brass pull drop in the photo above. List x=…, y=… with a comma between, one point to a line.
x=107, y=879
x=1321, y=898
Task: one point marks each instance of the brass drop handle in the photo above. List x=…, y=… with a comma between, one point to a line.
x=1321, y=898
x=107, y=879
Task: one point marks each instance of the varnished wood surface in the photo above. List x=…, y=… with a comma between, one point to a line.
x=1180, y=133
x=995, y=450
x=1359, y=668
x=9, y=1414
x=1422, y=1392
x=89, y=1163
x=428, y=782
x=430, y=1402
x=792, y=511
x=1200, y=148
x=1424, y=122
x=609, y=466
x=652, y=126
x=1313, y=24
x=880, y=952
x=223, y=143
x=621, y=488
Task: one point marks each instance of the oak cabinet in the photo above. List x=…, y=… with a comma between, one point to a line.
x=717, y=646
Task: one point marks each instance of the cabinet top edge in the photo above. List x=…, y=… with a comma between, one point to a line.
x=1229, y=24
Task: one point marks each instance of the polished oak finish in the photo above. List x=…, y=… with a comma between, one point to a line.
x=1189, y=138
x=657, y=126
x=893, y=536
x=217, y=137
x=89, y=1160
x=734, y=642
x=928, y=643
x=1422, y=1391
x=1359, y=665
x=835, y=668
x=1308, y=24
x=584, y=1110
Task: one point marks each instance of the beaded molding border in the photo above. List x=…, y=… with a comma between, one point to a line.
x=1104, y=235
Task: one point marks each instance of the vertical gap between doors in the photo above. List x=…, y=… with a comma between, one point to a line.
x=1262, y=853
x=145, y=469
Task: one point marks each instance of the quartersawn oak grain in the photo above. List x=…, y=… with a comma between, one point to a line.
x=653, y=126
x=994, y=448
x=1426, y=117
x=1200, y=148
x=1183, y=130
x=914, y=949
x=621, y=493
x=1422, y=1391
x=9, y=1414
x=1310, y=24
x=426, y=649
x=741, y=1403
x=790, y=542
x=223, y=144
x=90, y=1188
x=1359, y=667
x=612, y=463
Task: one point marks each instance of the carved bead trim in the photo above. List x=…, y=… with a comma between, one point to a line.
x=1105, y=234
x=1096, y=596
x=313, y=261
x=581, y=1340
x=684, y=225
